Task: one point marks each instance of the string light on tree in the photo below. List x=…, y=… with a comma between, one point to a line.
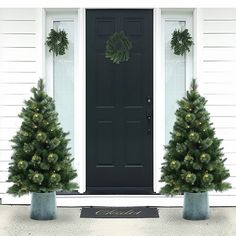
x=193, y=160
x=41, y=160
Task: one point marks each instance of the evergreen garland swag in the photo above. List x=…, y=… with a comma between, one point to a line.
x=181, y=42
x=41, y=159
x=118, y=47
x=194, y=159
x=57, y=42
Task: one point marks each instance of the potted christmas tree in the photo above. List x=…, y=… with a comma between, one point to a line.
x=194, y=161
x=41, y=162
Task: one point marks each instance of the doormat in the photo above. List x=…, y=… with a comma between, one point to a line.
x=119, y=212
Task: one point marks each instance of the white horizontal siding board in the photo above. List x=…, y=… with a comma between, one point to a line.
x=218, y=77
x=18, y=66
x=3, y=176
x=220, y=99
x=4, y=186
x=7, y=134
x=229, y=146
x=18, y=54
x=231, y=158
x=17, y=40
x=222, y=122
x=22, y=27
x=232, y=180
x=218, y=66
x=232, y=170
x=219, y=54
x=226, y=88
x=227, y=193
x=219, y=26
x=219, y=110
x=15, y=89
x=17, y=14
x=219, y=40
x=10, y=122
x=10, y=111
x=5, y=155
x=4, y=165
x=226, y=13
x=5, y=145
x=13, y=100
x=18, y=78
x=228, y=134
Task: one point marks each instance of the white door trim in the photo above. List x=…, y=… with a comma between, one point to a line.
x=80, y=101
x=66, y=15
x=80, y=113
x=158, y=98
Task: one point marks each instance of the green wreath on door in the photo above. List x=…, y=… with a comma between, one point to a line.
x=57, y=42
x=118, y=48
x=181, y=42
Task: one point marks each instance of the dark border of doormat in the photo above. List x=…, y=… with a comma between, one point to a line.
x=119, y=212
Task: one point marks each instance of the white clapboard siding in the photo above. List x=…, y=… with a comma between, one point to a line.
x=217, y=88
x=19, y=89
x=218, y=81
x=10, y=122
x=4, y=165
x=230, y=158
x=226, y=133
x=10, y=111
x=219, y=40
x=228, y=145
x=19, y=27
x=19, y=65
x=18, y=54
x=4, y=186
x=232, y=170
x=18, y=40
x=224, y=121
x=3, y=176
x=219, y=14
x=218, y=77
x=18, y=78
x=219, y=54
x=16, y=14
x=219, y=26
x=5, y=155
x=227, y=100
x=13, y=100
x=219, y=66
x=5, y=145
x=221, y=110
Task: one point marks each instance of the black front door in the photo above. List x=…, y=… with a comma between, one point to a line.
x=119, y=108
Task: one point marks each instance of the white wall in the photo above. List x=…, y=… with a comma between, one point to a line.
x=218, y=78
x=20, y=68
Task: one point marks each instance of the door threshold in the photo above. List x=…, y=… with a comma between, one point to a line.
x=101, y=192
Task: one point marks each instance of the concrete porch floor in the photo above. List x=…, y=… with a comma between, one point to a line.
x=15, y=221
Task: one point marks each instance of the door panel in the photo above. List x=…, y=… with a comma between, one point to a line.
x=119, y=149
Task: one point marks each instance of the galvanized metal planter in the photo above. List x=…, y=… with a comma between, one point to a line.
x=43, y=206
x=196, y=206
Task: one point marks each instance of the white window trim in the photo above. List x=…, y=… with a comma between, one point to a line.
x=178, y=15
x=166, y=15
x=63, y=15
